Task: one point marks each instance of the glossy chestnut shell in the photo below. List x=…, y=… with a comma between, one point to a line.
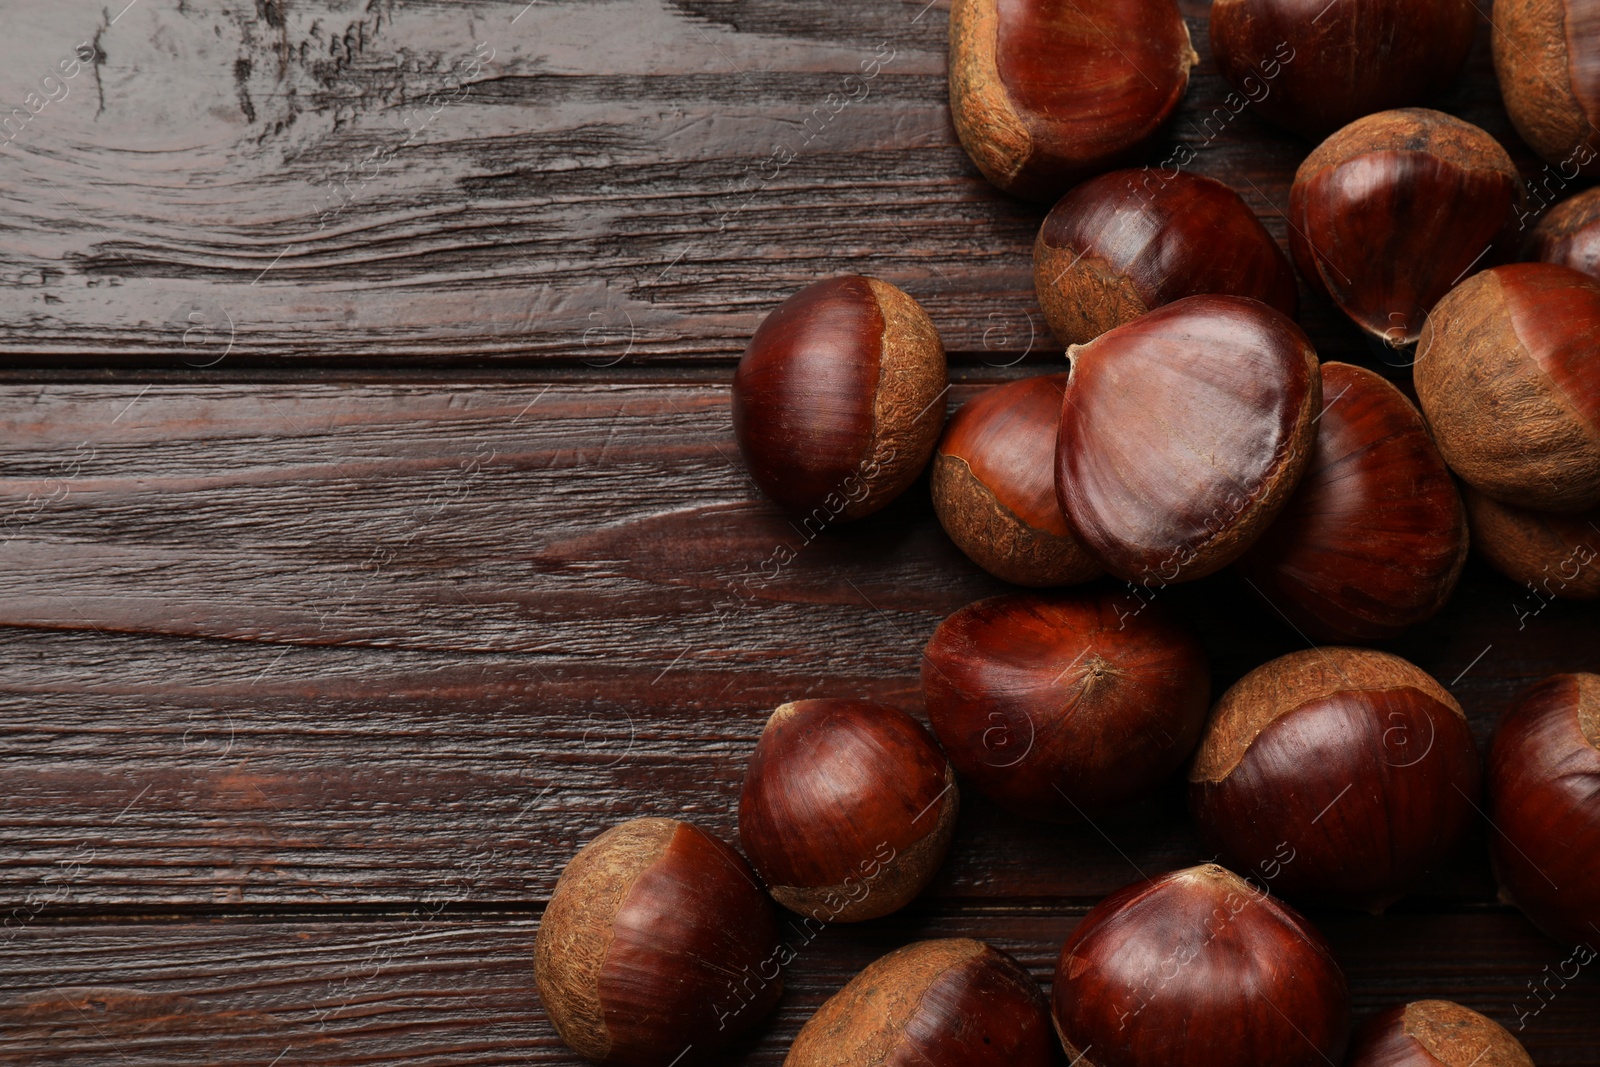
x=1508, y=375
x=953, y=1003
x=1544, y=795
x=994, y=487
x=1336, y=775
x=657, y=943
x=1125, y=242
x=847, y=809
x=838, y=400
x=1194, y=968
x=1314, y=66
x=1390, y=212
x=1047, y=92
x=1569, y=234
x=1552, y=555
x=1435, y=1033
x=1547, y=59
x=1183, y=435
x=1058, y=706
x=1374, y=538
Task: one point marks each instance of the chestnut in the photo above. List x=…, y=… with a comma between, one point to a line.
x=1544, y=796
x=1337, y=775
x=1047, y=92
x=1553, y=555
x=994, y=487
x=1125, y=242
x=847, y=808
x=1374, y=538
x=839, y=398
x=1392, y=210
x=1057, y=706
x=1508, y=374
x=1198, y=966
x=1435, y=1033
x=657, y=942
x=1314, y=67
x=1545, y=58
x=1569, y=234
x=952, y=1003
x=1183, y=435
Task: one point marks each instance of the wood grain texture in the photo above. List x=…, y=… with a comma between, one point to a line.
x=436, y=991
x=602, y=183
x=274, y=644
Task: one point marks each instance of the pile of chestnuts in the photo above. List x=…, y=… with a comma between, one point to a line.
x=1196, y=430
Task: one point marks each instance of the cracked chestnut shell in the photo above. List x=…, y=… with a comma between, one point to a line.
x=1374, y=538
x=952, y=1003
x=1058, y=706
x=1547, y=60
x=1183, y=435
x=1544, y=803
x=1194, y=968
x=1569, y=234
x=847, y=809
x=1125, y=242
x=994, y=487
x=1508, y=374
x=1047, y=92
x=1336, y=775
x=838, y=399
x=1390, y=212
x=1315, y=66
x=648, y=945
x=1552, y=555
x=1435, y=1033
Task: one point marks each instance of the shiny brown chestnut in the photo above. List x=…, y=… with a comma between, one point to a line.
x=1569, y=234
x=1547, y=60
x=994, y=486
x=847, y=809
x=1060, y=706
x=1198, y=967
x=1544, y=796
x=1508, y=374
x=837, y=402
x=954, y=1003
x=1392, y=210
x=1125, y=242
x=1374, y=538
x=1183, y=435
x=1047, y=92
x=657, y=942
x=1435, y=1033
x=1553, y=555
x=1316, y=66
x=1336, y=775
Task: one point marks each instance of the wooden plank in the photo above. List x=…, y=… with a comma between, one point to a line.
x=289, y=644
x=436, y=990
x=602, y=183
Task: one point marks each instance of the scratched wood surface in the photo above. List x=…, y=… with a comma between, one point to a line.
x=372, y=535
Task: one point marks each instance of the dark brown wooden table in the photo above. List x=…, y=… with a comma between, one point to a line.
x=374, y=535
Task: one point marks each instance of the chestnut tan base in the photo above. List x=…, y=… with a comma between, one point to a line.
x=1274, y=689
x=893, y=886
x=908, y=407
x=1081, y=295
x=1526, y=547
x=996, y=539
x=577, y=929
x=989, y=128
x=1460, y=1037
x=861, y=1025
x=1532, y=64
x=1497, y=418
